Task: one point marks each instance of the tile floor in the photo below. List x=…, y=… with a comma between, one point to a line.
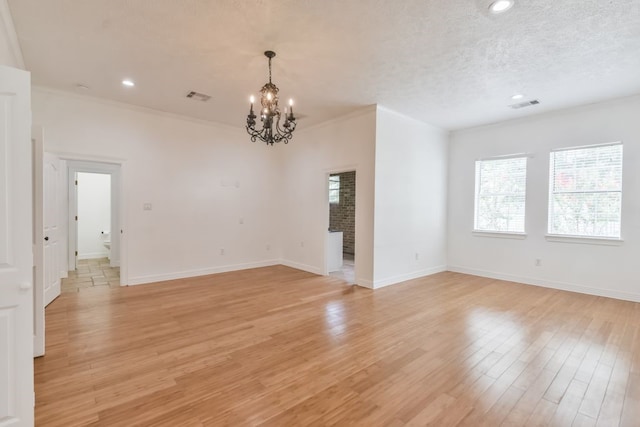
x=91, y=273
x=347, y=273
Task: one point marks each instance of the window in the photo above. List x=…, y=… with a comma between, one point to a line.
x=500, y=194
x=585, y=191
x=334, y=189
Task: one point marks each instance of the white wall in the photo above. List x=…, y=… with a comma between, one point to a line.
x=202, y=180
x=94, y=214
x=595, y=269
x=410, y=199
x=10, y=53
x=341, y=145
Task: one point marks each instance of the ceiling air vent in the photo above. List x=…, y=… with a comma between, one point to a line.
x=198, y=96
x=524, y=104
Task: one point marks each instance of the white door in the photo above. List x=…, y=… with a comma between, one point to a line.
x=38, y=242
x=51, y=228
x=16, y=259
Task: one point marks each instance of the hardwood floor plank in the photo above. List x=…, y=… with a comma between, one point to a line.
x=278, y=346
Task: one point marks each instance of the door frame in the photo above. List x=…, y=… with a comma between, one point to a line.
x=325, y=263
x=115, y=168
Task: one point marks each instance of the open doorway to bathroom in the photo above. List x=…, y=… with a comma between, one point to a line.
x=341, y=243
x=94, y=215
x=94, y=231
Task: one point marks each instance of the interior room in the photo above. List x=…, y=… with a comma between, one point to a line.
x=334, y=213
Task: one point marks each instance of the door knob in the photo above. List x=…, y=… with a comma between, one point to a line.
x=46, y=238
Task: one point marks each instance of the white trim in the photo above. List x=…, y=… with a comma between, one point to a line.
x=11, y=35
x=131, y=107
x=562, y=286
x=585, y=240
x=153, y=278
x=506, y=157
x=303, y=267
x=364, y=283
x=351, y=115
x=444, y=131
x=545, y=114
x=583, y=147
x=500, y=234
x=377, y=284
x=93, y=255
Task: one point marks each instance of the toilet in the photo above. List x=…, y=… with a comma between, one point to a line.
x=106, y=239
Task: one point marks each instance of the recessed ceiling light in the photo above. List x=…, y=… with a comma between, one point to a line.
x=500, y=6
x=517, y=96
x=128, y=83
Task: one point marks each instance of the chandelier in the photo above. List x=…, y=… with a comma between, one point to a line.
x=270, y=115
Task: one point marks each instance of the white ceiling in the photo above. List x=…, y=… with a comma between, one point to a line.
x=446, y=62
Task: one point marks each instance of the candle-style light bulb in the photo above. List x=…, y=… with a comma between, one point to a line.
x=269, y=96
x=290, y=108
x=252, y=99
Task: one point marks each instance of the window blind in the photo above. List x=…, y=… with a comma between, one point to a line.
x=500, y=194
x=585, y=191
x=334, y=189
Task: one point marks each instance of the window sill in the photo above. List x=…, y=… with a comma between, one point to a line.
x=585, y=240
x=499, y=234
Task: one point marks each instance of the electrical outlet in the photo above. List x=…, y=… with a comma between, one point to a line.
x=222, y=251
x=302, y=244
x=268, y=247
x=147, y=206
x=241, y=221
x=538, y=262
x=417, y=256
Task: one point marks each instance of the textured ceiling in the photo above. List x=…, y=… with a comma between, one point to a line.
x=446, y=62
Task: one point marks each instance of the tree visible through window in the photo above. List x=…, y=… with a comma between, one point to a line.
x=585, y=191
x=500, y=194
x=334, y=189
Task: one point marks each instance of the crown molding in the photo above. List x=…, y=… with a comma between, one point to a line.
x=11, y=35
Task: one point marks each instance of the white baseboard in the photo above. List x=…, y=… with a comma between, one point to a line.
x=365, y=283
x=201, y=272
x=64, y=274
x=303, y=267
x=563, y=286
x=381, y=283
x=93, y=255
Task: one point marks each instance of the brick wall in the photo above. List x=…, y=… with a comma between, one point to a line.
x=342, y=216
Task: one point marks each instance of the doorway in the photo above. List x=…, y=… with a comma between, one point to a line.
x=341, y=244
x=93, y=223
x=94, y=231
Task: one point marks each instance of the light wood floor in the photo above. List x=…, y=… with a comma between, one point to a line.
x=276, y=346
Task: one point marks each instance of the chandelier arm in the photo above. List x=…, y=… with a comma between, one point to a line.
x=283, y=133
x=270, y=132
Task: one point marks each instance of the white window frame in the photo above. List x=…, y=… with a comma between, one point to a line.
x=334, y=193
x=586, y=239
x=478, y=179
